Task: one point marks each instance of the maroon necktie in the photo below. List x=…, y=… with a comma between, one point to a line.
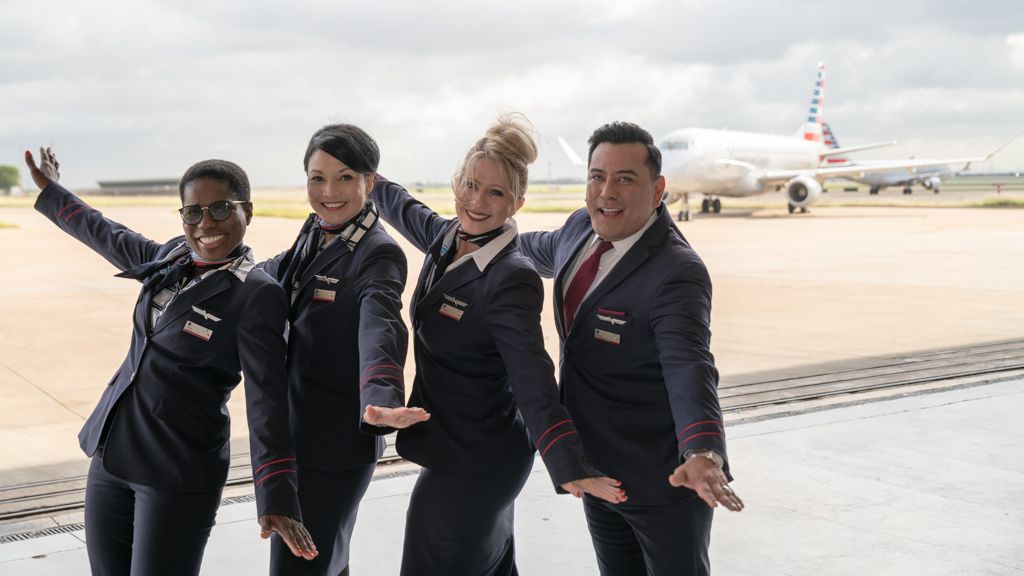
x=581, y=282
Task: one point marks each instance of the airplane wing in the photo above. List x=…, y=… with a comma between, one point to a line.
x=858, y=148
x=773, y=177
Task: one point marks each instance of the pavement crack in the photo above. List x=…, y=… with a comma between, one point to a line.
x=42, y=390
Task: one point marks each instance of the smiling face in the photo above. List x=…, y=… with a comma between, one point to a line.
x=336, y=192
x=483, y=200
x=621, y=193
x=211, y=239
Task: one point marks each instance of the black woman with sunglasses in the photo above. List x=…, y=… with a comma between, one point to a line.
x=346, y=343
x=158, y=438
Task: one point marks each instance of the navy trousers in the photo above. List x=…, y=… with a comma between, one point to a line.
x=135, y=529
x=463, y=525
x=329, y=501
x=656, y=540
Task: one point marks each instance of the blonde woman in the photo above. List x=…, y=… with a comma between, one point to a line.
x=481, y=368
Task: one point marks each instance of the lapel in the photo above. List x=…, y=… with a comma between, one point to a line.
x=143, y=310
x=627, y=265
x=464, y=274
x=325, y=258
x=210, y=286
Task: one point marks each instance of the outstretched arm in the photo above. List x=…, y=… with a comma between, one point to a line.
x=122, y=247
x=513, y=314
x=412, y=218
x=681, y=322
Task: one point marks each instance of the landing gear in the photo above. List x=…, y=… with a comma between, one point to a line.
x=794, y=208
x=908, y=190
x=710, y=205
x=684, y=214
x=874, y=190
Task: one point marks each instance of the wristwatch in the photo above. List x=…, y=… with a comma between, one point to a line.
x=715, y=457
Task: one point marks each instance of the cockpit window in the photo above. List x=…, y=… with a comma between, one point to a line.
x=675, y=145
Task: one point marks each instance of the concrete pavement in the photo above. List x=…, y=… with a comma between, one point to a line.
x=924, y=485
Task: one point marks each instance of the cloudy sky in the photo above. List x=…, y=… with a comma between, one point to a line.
x=145, y=88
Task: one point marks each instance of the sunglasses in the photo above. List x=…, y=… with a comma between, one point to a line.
x=220, y=210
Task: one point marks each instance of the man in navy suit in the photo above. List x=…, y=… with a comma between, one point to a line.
x=633, y=310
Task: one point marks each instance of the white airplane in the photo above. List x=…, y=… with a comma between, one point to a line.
x=722, y=163
x=929, y=176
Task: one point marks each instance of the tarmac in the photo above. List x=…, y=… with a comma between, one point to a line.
x=924, y=485
x=928, y=484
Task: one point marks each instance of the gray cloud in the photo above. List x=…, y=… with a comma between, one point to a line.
x=145, y=89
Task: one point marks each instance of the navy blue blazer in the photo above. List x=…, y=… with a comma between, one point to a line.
x=637, y=374
x=481, y=368
x=346, y=348
x=164, y=413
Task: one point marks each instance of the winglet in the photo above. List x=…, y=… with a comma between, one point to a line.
x=573, y=156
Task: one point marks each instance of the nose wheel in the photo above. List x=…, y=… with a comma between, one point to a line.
x=684, y=214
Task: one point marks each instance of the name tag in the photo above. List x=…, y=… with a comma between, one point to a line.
x=451, y=312
x=320, y=295
x=197, y=330
x=605, y=336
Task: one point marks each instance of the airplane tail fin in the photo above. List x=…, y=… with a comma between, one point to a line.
x=831, y=143
x=812, y=128
x=830, y=138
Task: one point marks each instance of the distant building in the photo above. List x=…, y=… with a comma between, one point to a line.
x=153, y=187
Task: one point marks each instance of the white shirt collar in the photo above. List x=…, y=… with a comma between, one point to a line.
x=486, y=253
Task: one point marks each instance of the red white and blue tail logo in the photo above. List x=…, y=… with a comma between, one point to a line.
x=812, y=129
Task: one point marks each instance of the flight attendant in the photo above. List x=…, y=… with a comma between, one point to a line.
x=158, y=438
x=481, y=368
x=346, y=343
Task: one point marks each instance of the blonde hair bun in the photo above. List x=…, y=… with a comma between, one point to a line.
x=511, y=143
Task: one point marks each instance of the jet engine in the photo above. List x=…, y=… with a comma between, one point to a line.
x=933, y=183
x=802, y=191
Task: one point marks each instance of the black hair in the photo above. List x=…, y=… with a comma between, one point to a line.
x=348, y=144
x=222, y=170
x=626, y=133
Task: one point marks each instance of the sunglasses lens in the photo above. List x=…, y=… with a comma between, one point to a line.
x=191, y=214
x=220, y=210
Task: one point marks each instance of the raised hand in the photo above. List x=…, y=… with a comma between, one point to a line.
x=708, y=481
x=602, y=487
x=48, y=169
x=394, y=417
x=291, y=531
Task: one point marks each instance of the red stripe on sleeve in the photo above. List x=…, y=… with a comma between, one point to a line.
x=719, y=422
x=271, y=464
x=557, y=438
x=692, y=436
x=557, y=424
x=261, y=480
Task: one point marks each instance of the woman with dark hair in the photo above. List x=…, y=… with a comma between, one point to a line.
x=346, y=343
x=158, y=438
x=481, y=368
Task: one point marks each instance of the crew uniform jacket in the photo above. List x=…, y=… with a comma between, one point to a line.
x=637, y=374
x=481, y=368
x=346, y=348
x=163, y=417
